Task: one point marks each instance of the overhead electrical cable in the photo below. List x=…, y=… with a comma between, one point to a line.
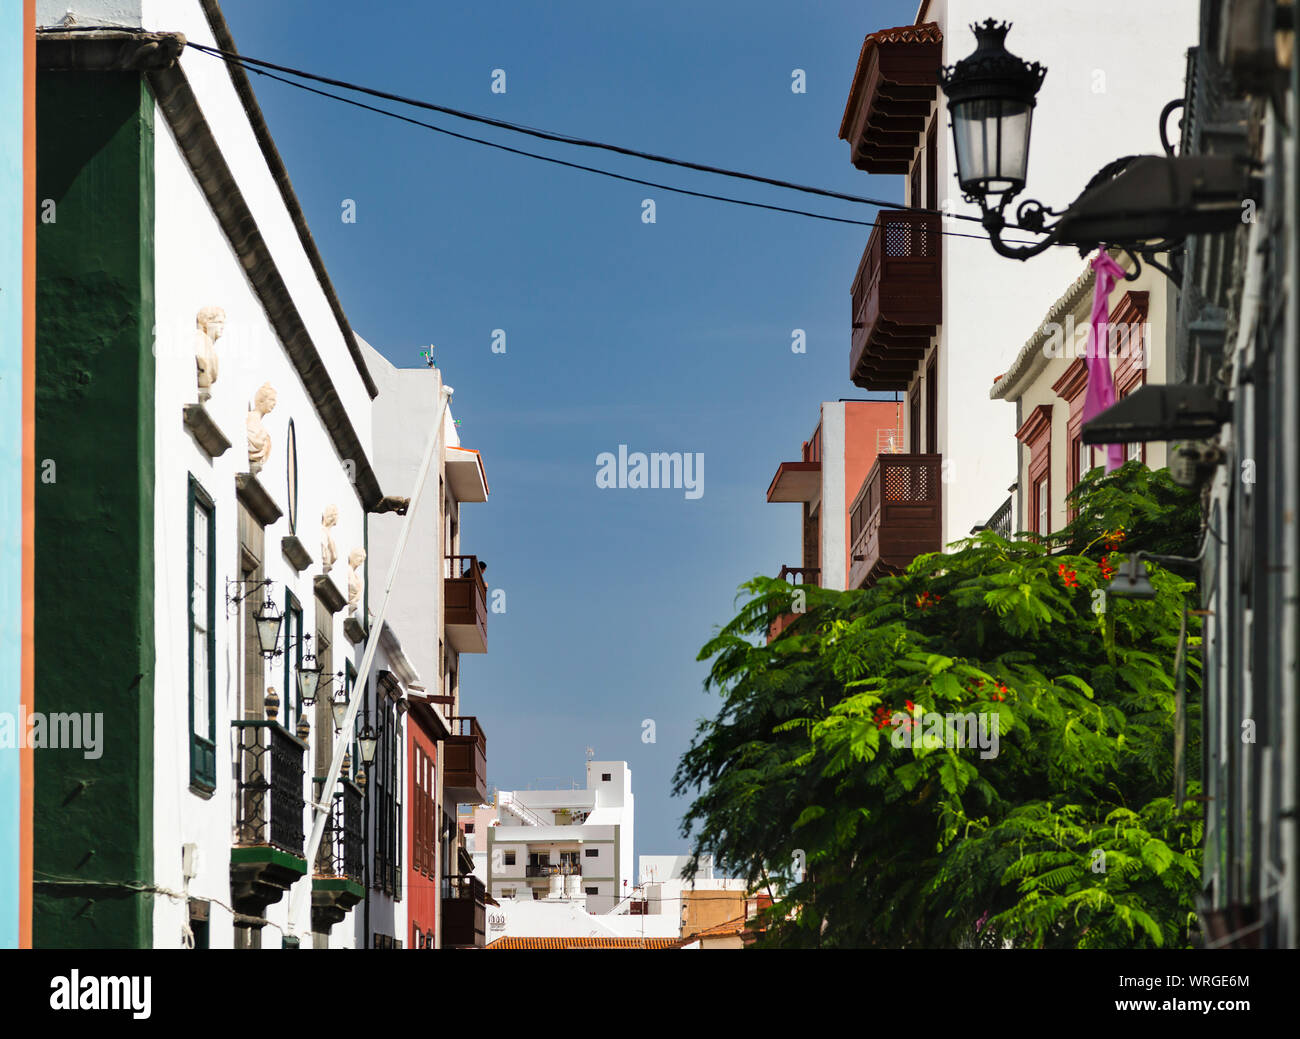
x=260, y=68
x=579, y=142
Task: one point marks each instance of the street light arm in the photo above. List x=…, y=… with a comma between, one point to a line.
x=995, y=223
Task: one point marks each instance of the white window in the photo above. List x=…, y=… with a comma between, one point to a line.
x=202, y=624
x=1043, y=506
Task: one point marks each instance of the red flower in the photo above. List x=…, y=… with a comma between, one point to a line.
x=910, y=706
x=927, y=599
x=1068, y=576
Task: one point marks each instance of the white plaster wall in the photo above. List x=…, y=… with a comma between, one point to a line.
x=210, y=80
x=196, y=267
x=992, y=304
x=833, y=504
x=402, y=422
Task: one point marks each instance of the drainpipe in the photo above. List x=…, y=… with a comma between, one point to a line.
x=343, y=738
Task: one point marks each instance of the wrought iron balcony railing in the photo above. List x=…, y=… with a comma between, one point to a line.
x=342, y=852
x=268, y=786
x=564, y=869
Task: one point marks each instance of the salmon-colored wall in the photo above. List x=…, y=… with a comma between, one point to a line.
x=862, y=420
x=421, y=890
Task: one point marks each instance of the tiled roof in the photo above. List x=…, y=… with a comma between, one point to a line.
x=722, y=930
x=929, y=32
x=585, y=943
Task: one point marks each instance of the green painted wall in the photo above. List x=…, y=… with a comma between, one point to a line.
x=94, y=523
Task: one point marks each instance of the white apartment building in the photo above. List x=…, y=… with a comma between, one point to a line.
x=574, y=843
x=937, y=316
x=245, y=454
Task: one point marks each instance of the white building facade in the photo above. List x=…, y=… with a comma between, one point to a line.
x=937, y=315
x=223, y=423
x=574, y=843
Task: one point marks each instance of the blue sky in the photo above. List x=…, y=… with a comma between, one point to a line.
x=672, y=336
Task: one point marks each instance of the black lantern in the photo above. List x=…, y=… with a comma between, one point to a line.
x=368, y=743
x=340, y=707
x=308, y=679
x=268, y=622
x=1145, y=205
x=991, y=99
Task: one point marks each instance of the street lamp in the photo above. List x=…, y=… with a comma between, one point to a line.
x=1133, y=581
x=368, y=743
x=308, y=679
x=1142, y=204
x=339, y=705
x=268, y=621
x=991, y=99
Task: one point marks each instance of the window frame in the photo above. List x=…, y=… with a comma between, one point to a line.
x=1036, y=435
x=203, y=777
x=290, y=702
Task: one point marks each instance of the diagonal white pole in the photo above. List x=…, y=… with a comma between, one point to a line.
x=344, y=736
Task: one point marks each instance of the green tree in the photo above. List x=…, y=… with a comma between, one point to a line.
x=1067, y=836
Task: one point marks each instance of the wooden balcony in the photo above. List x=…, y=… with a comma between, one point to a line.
x=896, y=81
x=465, y=605
x=897, y=516
x=464, y=913
x=796, y=575
x=897, y=299
x=465, y=763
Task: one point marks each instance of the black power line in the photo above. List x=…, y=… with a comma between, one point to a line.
x=259, y=67
x=579, y=142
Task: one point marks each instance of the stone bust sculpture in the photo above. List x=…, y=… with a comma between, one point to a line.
x=328, y=553
x=355, y=558
x=259, y=440
x=210, y=323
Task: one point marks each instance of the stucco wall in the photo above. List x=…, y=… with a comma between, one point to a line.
x=1109, y=74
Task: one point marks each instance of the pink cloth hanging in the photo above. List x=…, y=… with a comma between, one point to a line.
x=1100, y=393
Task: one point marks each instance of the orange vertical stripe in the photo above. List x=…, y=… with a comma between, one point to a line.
x=25, y=809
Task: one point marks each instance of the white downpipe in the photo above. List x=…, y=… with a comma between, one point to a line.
x=343, y=737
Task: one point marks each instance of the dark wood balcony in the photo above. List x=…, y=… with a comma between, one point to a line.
x=796, y=575
x=464, y=913
x=896, y=81
x=465, y=605
x=897, y=299
x=897, y=516
x=465, y=763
